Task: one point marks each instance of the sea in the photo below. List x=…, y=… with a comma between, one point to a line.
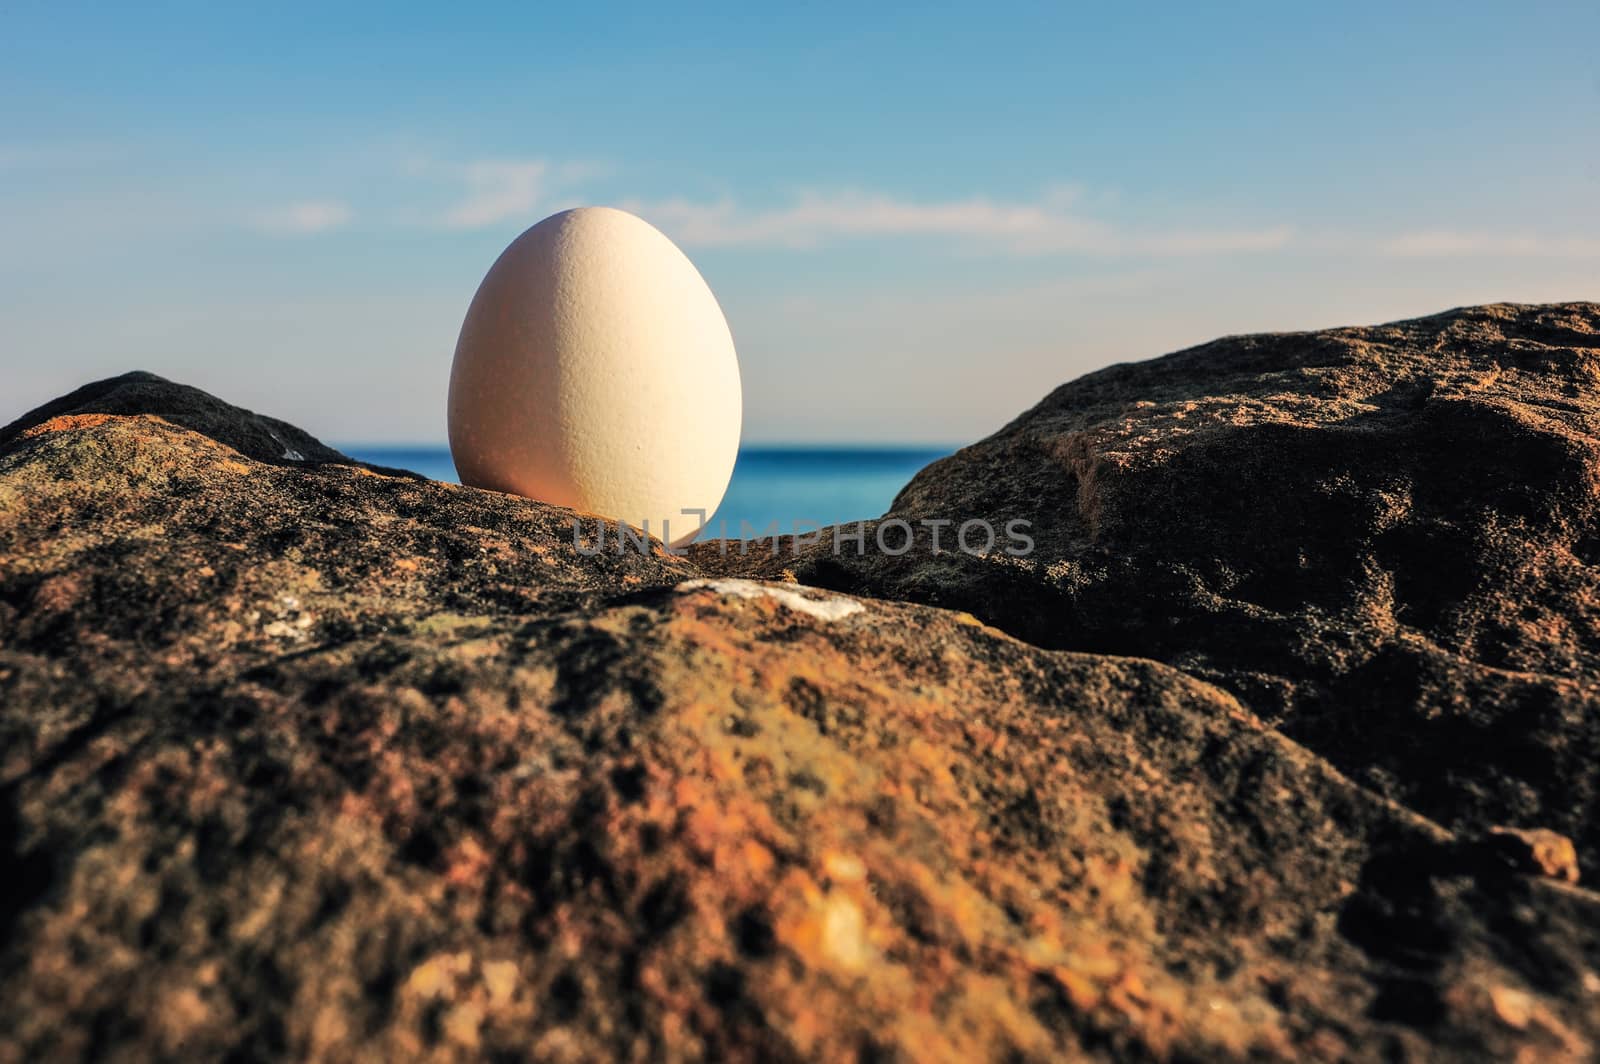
x=798, y=487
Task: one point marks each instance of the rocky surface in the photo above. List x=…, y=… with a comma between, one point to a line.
x=1277, y=746
x=1385, y=541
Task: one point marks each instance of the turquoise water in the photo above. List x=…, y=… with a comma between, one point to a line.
x=790, y=485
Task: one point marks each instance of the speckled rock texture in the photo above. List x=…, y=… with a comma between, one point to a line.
x=1279, y=746
x=1384, y=541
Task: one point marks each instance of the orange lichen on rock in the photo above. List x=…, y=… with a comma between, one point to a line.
x=65, y=423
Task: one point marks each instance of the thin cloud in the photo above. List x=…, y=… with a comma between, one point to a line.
x=305, y=219
x=1044, y=227
x=72, y=155
x=1443, y=243
x=498, y=190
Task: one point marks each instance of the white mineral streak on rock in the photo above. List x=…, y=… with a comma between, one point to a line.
x=289, y=453
x=831, y=608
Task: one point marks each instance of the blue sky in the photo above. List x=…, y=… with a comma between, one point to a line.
x=917, y=219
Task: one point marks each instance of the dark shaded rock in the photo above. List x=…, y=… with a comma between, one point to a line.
x=310, y=761
x=265, y=439
x=1384, y=540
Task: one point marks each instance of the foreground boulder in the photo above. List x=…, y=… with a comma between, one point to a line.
x=303, y=757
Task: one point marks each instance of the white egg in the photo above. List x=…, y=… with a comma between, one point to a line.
x=595, y=370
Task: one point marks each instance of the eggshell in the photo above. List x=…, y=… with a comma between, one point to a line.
x=595, y=370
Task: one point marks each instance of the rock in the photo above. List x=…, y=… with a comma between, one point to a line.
x=131, y=528
x=302, y=759
x=262, y=438
x=1514, y=1007
x=1536, y=851
x=1385, y=541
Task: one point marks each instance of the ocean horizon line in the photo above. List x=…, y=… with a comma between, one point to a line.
x=820, y=484
x=906, y=447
